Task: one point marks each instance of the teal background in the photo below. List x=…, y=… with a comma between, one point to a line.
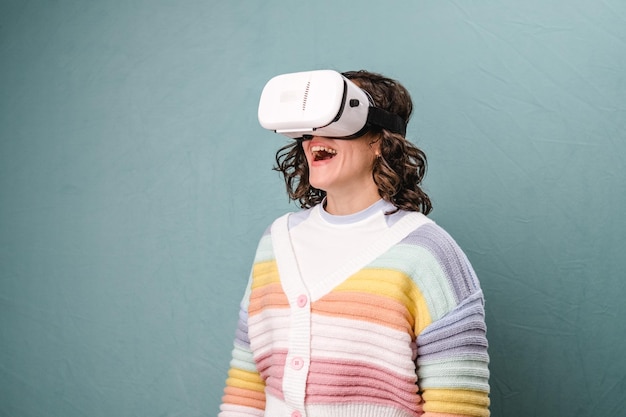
x=135, y=182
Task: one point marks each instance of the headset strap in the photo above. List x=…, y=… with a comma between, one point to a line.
x=387, y=120
x=375, y=117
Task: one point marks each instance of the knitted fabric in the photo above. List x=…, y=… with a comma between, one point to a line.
x=398, y=332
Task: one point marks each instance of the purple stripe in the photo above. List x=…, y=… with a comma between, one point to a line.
x=450, y=257
x=463, y=328
x=241, y=334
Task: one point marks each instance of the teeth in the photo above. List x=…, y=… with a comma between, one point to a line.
x=318, y=148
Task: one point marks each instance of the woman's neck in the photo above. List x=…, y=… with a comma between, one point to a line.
x=342, y=204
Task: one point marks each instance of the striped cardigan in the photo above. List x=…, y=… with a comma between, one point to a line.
x=398, y=332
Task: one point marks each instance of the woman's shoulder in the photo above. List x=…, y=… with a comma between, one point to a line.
x=433, y=236
x=428, y=236
x=443, y=249
x=293, y=218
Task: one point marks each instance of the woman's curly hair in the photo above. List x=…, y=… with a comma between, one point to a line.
x=399, y=170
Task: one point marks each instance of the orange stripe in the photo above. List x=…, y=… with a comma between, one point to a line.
x=368, y=307
x=269, y=296
x=376, y=287
x=391, y=284
x=238, y=396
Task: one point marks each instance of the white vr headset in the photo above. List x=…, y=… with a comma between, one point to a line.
x=321, y=103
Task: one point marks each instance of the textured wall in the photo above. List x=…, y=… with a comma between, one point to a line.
x=135, y=181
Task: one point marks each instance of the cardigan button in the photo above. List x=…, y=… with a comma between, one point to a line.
x=296, y=414
x=297, y=363
x=302, y=300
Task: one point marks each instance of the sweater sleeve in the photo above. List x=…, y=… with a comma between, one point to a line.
x=244, y=394
x=453, y=362
x=452, y=357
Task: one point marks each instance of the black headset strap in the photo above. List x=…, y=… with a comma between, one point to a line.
x=379, y=118
x=386, y=120
x=375, y=117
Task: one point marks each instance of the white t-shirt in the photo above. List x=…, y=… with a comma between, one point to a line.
x=322, y=242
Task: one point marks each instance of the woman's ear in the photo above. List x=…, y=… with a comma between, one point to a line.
x=375, y=145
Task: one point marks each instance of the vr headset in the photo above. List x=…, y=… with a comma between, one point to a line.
x=321, y=103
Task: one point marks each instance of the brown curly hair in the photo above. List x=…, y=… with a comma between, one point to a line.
x=399, y=170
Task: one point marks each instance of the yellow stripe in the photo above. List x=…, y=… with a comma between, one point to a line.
x=265, y=273
x=392, y=284
x=466, y=402
x=457, y=395
x=244, y=379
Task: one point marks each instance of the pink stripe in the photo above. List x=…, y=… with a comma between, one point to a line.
x=271, y=366
x=337, y=385
x=359, y=368
x=337, y=381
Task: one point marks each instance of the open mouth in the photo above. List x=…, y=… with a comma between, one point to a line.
x=322, y=153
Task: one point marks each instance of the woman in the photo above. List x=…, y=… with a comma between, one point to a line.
x=359, y=305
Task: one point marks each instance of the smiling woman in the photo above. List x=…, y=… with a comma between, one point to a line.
x=343, y=170
x=359, y=305
x=398, y=169
x=321, y=153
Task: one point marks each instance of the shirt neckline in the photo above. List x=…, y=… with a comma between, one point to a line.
x=380, y=205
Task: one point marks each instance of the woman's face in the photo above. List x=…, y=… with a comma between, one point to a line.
x=341, y=166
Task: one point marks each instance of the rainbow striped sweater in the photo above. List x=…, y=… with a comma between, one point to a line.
x=399, y=331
